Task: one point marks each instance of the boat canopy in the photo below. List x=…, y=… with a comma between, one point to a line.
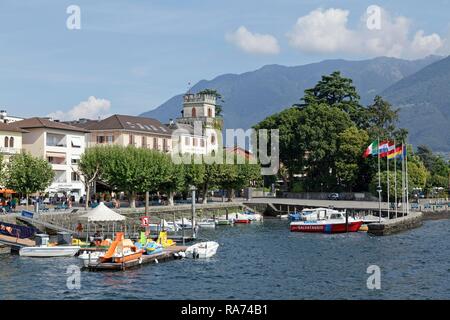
x=102, y=213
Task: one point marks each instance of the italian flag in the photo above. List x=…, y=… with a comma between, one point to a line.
x=372, y=149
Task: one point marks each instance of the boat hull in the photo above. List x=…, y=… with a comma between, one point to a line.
x=326, y=228
x=128, y=257
x=49, y=252
x=202, y=250
x=242, y=221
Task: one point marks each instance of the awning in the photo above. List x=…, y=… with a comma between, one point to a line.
x=102, y=213
x=56, y=155
x=76, y=142
x=7, y=191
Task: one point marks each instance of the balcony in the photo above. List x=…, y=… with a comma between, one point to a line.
x=9, y=151
x=56, y=140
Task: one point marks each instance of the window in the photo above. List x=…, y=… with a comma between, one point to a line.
x=213, y=139
x=155, y=143
x=105, y=139
x=11, y=142
x=165, y=147
x=194, y=113
x=202, y=143
x=75, y=177
x=186, y=141
x=144, y=142
x=194, y=142
x=76, y=142
x=6, y=142
x=75, y=161
x=131, y=139
x=209, y=112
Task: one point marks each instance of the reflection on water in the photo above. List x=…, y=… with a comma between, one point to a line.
x=259, y=261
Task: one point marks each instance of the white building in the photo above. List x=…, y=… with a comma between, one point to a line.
x=62, y=145
x=10, y=140
x=5, y=118
x=198, y=131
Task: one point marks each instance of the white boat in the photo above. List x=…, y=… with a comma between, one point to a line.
x=90, y=257
x=252, y=216
x=164, y=225
x=43, y=250
x=207, y=223
x=202, y=250
x=184, y=223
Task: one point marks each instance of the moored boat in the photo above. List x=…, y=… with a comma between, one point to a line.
x=44, y=250
x=90, y=257
x=207, y=223
x=202, y=250
x=335, y=223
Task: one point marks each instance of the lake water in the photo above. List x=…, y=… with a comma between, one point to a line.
x=259, y=261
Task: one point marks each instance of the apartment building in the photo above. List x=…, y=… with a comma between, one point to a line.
x=62, y=145
x=126, y=130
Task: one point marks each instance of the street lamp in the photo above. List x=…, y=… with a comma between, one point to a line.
x=193, y=189
x=379, y=202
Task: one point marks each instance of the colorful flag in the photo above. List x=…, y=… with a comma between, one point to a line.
x=397, y=152
x=372, y=149
x=385, y=148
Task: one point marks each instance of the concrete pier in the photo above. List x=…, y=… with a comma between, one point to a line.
x=388, y=227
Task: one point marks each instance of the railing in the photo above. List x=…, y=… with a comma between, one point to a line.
x=9, y=150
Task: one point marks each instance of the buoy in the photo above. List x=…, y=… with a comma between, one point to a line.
x=156, y=261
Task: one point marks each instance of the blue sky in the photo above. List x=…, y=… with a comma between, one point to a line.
x=131, y=56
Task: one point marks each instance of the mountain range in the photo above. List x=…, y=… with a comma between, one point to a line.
x=421, y=88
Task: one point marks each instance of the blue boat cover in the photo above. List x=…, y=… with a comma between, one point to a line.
x=14, y=230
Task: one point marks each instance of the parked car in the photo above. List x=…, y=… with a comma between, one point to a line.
x=333, y=196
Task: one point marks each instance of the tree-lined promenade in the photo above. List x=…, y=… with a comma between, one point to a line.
x=137, y=171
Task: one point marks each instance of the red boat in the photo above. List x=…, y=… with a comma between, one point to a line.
x=334, y=224
x=242, y=221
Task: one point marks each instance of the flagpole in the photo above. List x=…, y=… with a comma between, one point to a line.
x=395, y=176
x=379, y=181
x=403, y=182
x=406, y=178
x=388, y=187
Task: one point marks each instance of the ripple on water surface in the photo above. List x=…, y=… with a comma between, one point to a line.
x=259, y=261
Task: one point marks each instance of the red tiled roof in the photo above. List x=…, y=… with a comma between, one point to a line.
x=45, y=123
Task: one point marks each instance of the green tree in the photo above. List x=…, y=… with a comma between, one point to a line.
x=334, y=90
x=91, y=167
x=135, y=170
x=382, y=119
x=175, y=180
x=322, y=126
x=348, y=160
x=239, y=175
x=27, y=174
x=292, y=141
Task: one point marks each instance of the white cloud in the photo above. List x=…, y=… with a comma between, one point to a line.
x=253, y=42
x=92, y=108
x=327, y=31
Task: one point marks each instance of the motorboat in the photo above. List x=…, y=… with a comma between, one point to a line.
x=202, y=250
x=253, y=216
x=44, y=250
x=90, y=257
x=164, y=225
x=240, y=218
x=335, y=223
x=184, y=223
x=207, y=223
x=223, y=222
